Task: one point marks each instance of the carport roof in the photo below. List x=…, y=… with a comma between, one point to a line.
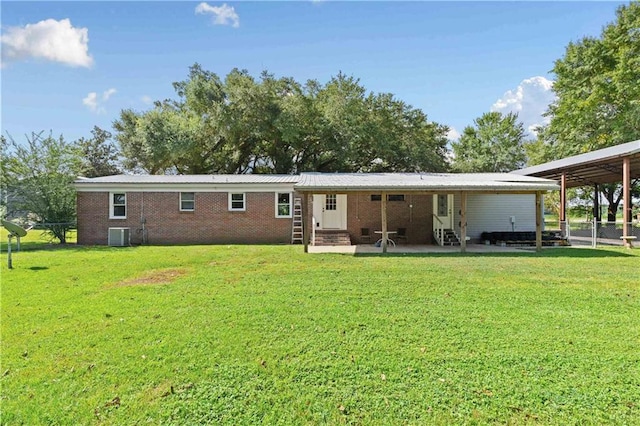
x=601, y=166
x=429, y=182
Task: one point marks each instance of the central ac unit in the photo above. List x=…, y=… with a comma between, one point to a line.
x=118, y=237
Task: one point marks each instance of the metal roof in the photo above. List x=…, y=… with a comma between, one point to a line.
x=601, y=166
x=333, y=181
x=189, y=179
x=431, y=182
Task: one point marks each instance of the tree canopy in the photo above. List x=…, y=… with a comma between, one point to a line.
x=276, y=125
x=39, y=175
x=99, y=154
x=598, y=96
x=493, y=144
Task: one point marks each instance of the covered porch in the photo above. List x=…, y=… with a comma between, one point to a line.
x=417, y=209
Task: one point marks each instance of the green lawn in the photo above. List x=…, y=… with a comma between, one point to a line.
x=251, y=334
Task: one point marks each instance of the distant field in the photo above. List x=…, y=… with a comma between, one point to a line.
x=267, y=334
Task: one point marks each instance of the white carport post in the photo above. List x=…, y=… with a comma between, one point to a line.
x=463, y=222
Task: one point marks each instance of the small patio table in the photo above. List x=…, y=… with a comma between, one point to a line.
x=379, y=242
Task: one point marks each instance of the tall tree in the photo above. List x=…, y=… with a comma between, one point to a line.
x=493, y=144
x=275, y=125
x=40, y=174
x=99, y=154
x=598, y=95
x=178, y=136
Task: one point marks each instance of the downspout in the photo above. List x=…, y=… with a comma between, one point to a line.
x=143, y=220
x=463, y=221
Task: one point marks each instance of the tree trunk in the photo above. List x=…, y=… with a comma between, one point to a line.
x=613, y=195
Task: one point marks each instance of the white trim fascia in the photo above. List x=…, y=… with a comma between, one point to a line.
x=432, y=189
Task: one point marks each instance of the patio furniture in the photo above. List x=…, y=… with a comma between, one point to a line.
x=365, y=235
x=401, y=234
x=389, y=240
x=629, y=239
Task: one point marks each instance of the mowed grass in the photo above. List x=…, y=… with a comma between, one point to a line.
x=267, y=334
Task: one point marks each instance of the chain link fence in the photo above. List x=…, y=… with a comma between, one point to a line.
x=593, y=233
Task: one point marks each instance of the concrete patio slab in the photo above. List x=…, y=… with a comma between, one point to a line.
x=370, y=248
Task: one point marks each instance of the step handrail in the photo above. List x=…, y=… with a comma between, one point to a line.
x=440, y=228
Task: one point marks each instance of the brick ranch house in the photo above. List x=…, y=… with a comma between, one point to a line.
x=348, y=208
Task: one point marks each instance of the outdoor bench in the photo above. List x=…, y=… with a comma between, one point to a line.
x=522, y=238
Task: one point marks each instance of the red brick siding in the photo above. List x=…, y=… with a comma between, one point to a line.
x=210, y=223
x=364, y=213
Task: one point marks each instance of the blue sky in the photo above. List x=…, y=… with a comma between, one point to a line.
x=67, y=66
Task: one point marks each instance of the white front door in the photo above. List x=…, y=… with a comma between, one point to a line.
x=330, y=211
x=443, y=210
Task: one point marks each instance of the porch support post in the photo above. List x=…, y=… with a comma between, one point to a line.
x=563, y=204
x=596, y=203
x=463, y=222
x=305, y=221
x=383, y=214
x=626, y=193
x=538, y=220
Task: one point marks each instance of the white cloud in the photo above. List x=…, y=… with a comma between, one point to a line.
x=91, y=101
x=529, y=100
x=146, y=100
x=51, y=40
x=96, y=103
x=222, y=15
x=453, y=134
x=107, y=94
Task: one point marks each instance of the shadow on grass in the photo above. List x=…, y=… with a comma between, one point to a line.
x=45, y=246
x=560, y=252
x=549, y=253
x=73, y=247
x=39, y=268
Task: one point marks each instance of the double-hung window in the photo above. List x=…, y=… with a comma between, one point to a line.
x=117, y=205
x=283, y=204
x=187, y=201
x=237, y=201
